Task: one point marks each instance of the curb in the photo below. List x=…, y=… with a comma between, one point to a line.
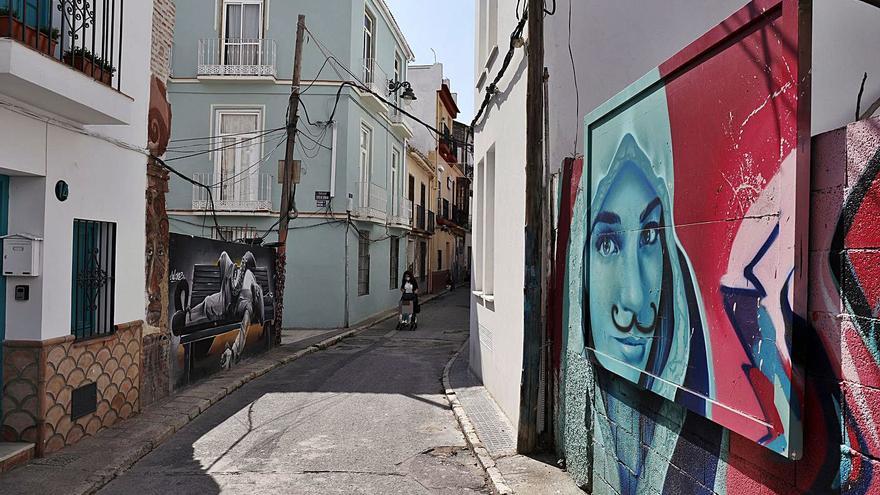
x=150, y=428
x=496, y=480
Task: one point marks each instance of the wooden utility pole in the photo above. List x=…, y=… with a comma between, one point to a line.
x=286, y=199
x=533, y=323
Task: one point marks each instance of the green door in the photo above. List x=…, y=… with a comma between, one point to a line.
x=4, y=227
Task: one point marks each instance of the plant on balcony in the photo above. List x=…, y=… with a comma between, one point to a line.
x=90, y=64
x=44, y=39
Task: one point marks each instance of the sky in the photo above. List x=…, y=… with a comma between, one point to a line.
x=447, y=26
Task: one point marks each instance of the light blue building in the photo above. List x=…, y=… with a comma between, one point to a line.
x=231, y=78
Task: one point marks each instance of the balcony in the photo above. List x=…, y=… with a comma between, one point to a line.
x=243, y=193
x=376, y=79
x=419, y=218
x=431, y=226
x=237, y=58
x=399, y=125
x=403, y=215
x=65, y=57
x=370, y=202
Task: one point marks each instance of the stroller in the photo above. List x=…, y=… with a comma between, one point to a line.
x=406, y=318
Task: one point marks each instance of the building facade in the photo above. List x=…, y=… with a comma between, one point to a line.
x=73, y=135
x=450, y=190
x=231, y=79
x=595, y=416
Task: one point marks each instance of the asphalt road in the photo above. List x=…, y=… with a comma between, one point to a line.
x=365, y=416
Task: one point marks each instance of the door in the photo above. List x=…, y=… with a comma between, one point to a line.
x=364, y=171
x=4, y=223
x=242, y=32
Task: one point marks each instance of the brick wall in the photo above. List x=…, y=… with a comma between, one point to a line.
x=618, y=438
x=163, y=36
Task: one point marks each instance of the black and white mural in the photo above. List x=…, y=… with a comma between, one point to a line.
x=222, y=304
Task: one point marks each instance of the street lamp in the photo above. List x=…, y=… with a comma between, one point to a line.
x=408, y=94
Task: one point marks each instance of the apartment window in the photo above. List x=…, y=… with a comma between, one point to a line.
x=394, y=262
x=236, y=166
x=479, y=224
x=488, y=30
x=369, y=45
x=412, y=188
x=489, y=228
x=92, y=278
x=366, y=164
x=364, y=264
x=242, y=31
x=439, y=259
x=398, y=76
x=395, y=168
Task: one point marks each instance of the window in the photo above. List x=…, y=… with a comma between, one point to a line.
x=489, y=228
x=439, y=259
x=92, y=279
x=446, y=209
x=242, y=31
x=398, y=76
x=479, y=224
x=395, y=167
x=369, y=45
x=364, y=264
x=365, y=165
x=394, y=262
x=235, y=167
x=488, y=31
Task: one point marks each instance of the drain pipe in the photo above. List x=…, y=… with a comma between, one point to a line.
x=333, y=161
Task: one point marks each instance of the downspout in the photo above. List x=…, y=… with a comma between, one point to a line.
x=333, y=161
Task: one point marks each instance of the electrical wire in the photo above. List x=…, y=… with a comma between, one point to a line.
x=198, y=184
x=550, y=12
x=181, y=140
x=577, y=93
x=221, y=148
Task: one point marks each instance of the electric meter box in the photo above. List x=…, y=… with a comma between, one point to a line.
x=21, y=255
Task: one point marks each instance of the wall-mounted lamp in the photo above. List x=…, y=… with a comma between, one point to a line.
x=408, y=94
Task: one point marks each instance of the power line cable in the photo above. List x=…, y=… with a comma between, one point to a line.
x=198, y=184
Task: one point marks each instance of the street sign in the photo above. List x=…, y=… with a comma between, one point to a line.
x=322, y=199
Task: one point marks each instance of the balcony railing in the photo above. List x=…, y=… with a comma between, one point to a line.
x=419, y=218
x=431, y=226
x=237, y=57
x=244, y=192
x=84, y=35
x=403, y=213
x=371, y=201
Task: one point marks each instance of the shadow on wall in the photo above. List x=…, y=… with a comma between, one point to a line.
x=618, y=438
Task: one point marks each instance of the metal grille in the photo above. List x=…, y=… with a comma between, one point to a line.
x=395, y=258
x=234, y=233
x=92, y=284
x=364, y=264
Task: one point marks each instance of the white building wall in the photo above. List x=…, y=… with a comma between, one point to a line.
x=496, y=326
x=106, y=181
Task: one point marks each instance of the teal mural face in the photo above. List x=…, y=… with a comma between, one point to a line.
x=627, y=267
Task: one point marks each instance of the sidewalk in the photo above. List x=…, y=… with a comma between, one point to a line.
x=493, y=438
x=89, y=465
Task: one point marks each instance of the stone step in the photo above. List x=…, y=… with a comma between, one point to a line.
x=14, y=454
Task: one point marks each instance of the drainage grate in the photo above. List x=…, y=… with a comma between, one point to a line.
x=57, y=460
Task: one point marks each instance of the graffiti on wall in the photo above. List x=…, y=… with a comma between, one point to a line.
x=685, y=272
x=222, y=304
x=618, y=438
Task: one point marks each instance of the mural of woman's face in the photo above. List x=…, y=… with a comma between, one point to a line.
x=626, y=271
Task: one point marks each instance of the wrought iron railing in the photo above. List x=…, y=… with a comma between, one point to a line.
x=431, y=226
x=237, y=57
x=419, y=218
x=84, y=34
x=403, y=215
x=92, y=301
x=249, y=191
x=374, y=77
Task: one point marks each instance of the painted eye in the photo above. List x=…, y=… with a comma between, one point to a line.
x=607, y=247
x=649, y=236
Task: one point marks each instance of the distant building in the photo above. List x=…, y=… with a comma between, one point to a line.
x=231, y=78
x=445, y=256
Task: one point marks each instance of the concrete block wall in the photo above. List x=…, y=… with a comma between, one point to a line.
x=836, y=345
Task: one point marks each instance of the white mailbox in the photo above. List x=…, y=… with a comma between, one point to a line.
x=21, y=255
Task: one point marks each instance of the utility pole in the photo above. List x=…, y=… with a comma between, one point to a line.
x=286, y=199
x=533, y=322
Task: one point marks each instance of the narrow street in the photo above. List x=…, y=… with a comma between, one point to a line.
x=365, y=416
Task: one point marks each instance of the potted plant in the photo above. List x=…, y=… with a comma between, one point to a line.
x=44, y=39
x=90, y=64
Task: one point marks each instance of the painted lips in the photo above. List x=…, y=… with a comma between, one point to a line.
x=633, y=348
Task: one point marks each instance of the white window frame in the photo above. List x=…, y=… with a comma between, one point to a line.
x=255, y=43
x=369, y=45
x=396, y=173
x=249, y=138
x=365, y=163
